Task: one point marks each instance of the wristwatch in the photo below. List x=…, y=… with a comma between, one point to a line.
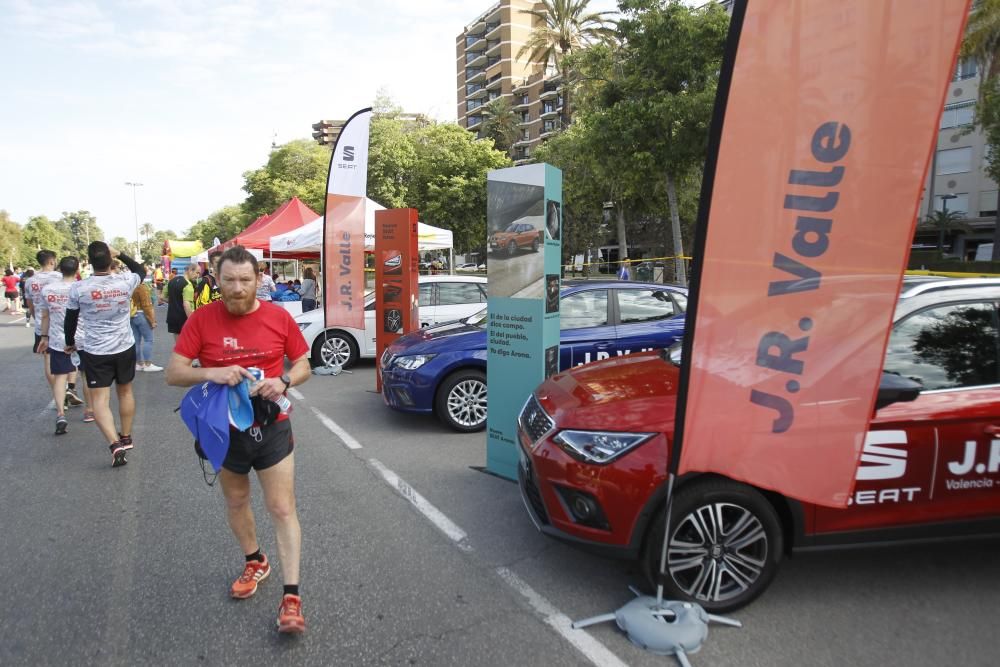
x=287, y=380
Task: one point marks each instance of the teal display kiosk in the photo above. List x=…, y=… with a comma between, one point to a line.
x=524, y=232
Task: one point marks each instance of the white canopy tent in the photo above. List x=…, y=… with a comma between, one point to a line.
x=309, y=237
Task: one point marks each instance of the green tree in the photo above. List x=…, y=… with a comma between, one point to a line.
x=943, y=222
x=563, y=26
x=448, y=184
x=501, y=124
x=982, y=43
x=79, y=228
x=11, y=247
x=41, y=233
x=152, y=247
x=296, y=169
x=223, y=224
x=122, y=244
x=658, y=106
x=391, y=156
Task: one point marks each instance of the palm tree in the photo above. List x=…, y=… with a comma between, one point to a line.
x=501, y=124
x=564, y=27
x=943, y=222
x=982, y=41
x=147, y=230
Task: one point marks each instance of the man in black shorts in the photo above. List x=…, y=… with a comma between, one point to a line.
x=230, y=336
x=102, y=303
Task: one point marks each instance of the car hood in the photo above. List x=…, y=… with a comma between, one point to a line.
x=449, y=337
x=505, y=235
x=636, y=392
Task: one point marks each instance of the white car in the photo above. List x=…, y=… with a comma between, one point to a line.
x=468, y=266
x=443, y=298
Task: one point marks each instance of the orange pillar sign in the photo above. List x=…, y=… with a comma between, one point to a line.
x=396, y=279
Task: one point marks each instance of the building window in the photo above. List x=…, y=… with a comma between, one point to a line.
x=954, y=161
x=959, y=203
x=988, y=204
x=526, y=117
x=957, y=115
x=966, y=69
x=524, y=99
x=470, y=105
x=525, y=135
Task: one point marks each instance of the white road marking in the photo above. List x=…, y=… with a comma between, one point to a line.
x=335, y=428
x=433, y=514
x=48, y=408
x=592, y=649
x=296, y=394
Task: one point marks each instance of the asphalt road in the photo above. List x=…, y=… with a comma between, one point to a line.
x=132, y=566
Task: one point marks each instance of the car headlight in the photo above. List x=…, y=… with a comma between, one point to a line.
x=599, y=446
x=413, y=361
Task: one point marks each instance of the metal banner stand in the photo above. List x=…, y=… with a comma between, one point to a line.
x=664, y=627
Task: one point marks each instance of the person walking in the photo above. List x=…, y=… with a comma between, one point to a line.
x=623, y=272
x=11, y=293
x=24, y=296
x=143, y=322
x=180, y=299
x=101, y=303
x=230, y=336
x=55, y=297
x=33, y=300
x=265, y=285
x=308, y=290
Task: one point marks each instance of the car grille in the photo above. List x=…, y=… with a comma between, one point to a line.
x=534, y=421
x=386, y=359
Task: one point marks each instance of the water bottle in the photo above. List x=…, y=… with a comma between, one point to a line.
x=282, y=401
x=74, y=359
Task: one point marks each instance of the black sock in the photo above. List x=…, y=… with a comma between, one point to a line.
x=256, y=555
x=291, y=589
x=71, y=385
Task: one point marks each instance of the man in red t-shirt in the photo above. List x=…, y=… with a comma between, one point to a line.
x=228, y=336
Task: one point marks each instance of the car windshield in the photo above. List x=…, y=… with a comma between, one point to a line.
x=512, y=228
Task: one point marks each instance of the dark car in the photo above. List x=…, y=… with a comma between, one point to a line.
x=442, y=369
x=594, y=441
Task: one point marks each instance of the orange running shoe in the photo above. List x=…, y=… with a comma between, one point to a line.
x=290, y=619
x=255, y=572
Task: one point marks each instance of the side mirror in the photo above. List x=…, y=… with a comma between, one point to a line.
x=894, y=388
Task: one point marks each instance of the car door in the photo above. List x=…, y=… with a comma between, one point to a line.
x=425, y=304
x=647, y=319
x=458, y=300
x=937, y=458
x=586, y=332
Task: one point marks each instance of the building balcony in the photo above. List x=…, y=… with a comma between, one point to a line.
x=492, y=15
x=473, y=122
x=548, y=112
x=476, y=94
x=549, y=131
x=493, y=48
x=522, y=142
x=476, y=27
x=549, y=93
x=521, y=160
x=493, y=30
x=521, y=86
x=494, y=82
x=525, y=122
x=520, y=103
x=475, y=75
x=475, y=58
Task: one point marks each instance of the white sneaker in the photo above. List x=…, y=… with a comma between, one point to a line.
x=27, y=324
x=152, y=368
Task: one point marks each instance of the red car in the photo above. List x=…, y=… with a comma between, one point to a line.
x=594, y=443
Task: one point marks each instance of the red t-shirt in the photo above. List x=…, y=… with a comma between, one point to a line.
x=262, y=339
x=10, y=283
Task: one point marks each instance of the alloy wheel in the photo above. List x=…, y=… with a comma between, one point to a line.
x=467, y=403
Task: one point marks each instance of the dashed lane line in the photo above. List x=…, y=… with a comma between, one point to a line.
x=296, y=394
x=335, y=428
x=591, y=648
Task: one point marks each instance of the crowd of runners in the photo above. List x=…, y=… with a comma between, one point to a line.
x=94, y=326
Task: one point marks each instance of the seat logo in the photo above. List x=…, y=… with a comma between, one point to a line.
x=879, y=461
x=348, y=153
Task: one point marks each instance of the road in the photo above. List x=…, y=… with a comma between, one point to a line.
x=412, y=556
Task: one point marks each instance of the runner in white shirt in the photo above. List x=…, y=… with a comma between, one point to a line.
x=33, y=296
x=55, y=296
x=102, y=303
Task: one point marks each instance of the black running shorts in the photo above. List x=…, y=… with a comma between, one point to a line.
x=246, y=451
x=103, y=369
x=60, y=363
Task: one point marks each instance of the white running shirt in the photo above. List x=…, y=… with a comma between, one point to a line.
x=33, y=288
x=55, y=296
x=104, y=303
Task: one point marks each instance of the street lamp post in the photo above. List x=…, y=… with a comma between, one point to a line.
x=135, y=211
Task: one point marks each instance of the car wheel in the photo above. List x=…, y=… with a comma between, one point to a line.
x=461, y=401
x=725, y=546
x=335, y=348
x=534, y=246
x=511, y=249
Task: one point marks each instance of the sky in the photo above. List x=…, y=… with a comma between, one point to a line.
x=183, y=96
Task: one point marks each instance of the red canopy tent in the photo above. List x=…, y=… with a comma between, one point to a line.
x=290, y=215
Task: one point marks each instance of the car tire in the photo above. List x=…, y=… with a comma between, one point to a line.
x=736, y=575
x=336, y=345
x=461, y=401
x=534, y=246
x=511, y=249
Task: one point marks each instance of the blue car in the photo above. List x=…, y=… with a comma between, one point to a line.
x=442, y=369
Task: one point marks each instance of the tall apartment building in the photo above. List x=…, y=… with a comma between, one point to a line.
x=488, y=67
x=956, y=179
